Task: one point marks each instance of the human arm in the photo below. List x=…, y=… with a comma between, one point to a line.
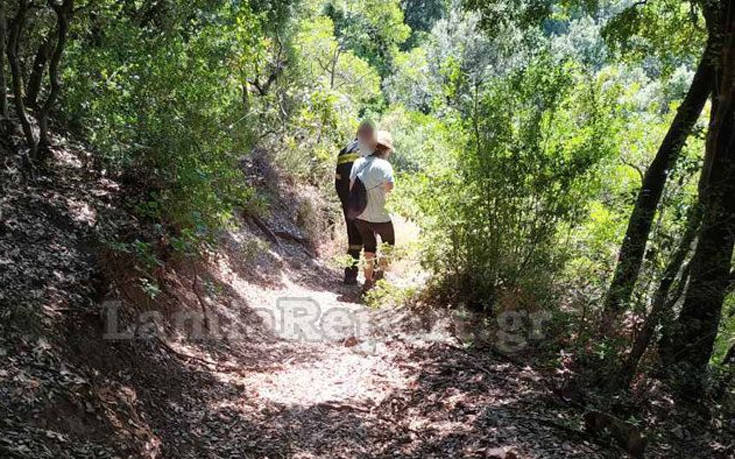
x=389, y=182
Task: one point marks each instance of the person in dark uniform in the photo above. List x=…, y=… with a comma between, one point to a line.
x=363, y=145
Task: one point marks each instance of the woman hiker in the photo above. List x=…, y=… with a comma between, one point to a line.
x=376, y=174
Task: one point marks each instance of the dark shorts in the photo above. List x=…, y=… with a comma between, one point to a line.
x=369, y=232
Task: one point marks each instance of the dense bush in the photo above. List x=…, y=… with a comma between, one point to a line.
x=532, y=146
x=163, y=104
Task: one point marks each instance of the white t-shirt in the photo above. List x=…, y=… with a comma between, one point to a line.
x=373, y=172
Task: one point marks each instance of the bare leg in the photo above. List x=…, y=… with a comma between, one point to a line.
x=369, y=266
x=384, y=261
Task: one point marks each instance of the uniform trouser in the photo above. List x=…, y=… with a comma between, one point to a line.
x=353, y=235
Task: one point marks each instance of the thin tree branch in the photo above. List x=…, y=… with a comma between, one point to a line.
x=63, y=13
x=16, y=31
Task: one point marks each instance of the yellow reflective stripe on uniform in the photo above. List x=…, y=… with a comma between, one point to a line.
x=341, y=159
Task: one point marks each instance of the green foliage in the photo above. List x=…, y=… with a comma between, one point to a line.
x=420, y=16
x=672, y=31
x=726, y=337
x=330, y=67
x=422, y=141
x=581, y=40
x=644, y=114
x=161, y=107
x=385, y=295
x=411, y=83
x=524, y=173
x=496, y=15
x=373, y=29
x=314, y=111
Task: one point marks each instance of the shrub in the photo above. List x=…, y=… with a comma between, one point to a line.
x=531, y=146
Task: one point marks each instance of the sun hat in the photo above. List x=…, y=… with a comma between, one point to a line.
x=384, y=139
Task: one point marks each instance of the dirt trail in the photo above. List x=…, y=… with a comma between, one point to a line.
x=354, y=382
x=324, y=376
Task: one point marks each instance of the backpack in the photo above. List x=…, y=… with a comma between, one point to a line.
x=357, y=199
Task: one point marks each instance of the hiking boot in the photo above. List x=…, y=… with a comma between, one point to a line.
x=350, y=276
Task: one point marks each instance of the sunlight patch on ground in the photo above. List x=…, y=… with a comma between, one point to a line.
x=81, y=211
x=294, y=312
x=67, y=158
x=339, y=376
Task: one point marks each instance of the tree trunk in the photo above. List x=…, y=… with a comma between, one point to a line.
x=697, y=325
x=639, y=225
x=3, y=81
x=668, y=321
x=63, y=13
x=16, y=30
x=38, y=69
x=659, y=304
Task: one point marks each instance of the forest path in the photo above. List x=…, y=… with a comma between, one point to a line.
x=325, y=376
x=357, y=382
